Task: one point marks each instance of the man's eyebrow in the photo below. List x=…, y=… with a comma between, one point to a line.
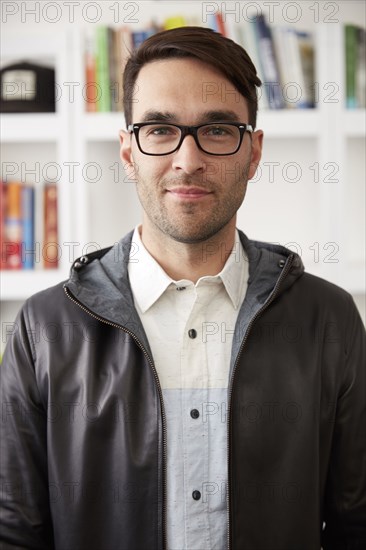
x=207, y=116
x=157, y=116
x=216, y=116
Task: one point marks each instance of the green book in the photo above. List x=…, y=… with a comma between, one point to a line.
x=351, y=61
x=104, y=103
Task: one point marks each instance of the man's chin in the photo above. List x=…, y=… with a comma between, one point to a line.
x=196, y=236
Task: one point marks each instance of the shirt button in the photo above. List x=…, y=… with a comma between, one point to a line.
x=196, y=495
x=192, y=333
x=281, y=263
x=195, y=413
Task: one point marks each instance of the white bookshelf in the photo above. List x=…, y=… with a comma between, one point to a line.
x=30, y=127
x=30, y=138
x=303, y=213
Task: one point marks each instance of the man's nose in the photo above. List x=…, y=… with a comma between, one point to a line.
x=189, y=157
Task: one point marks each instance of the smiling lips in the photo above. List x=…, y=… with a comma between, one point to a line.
x=189, y=192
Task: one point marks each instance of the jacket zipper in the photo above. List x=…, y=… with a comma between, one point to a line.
x=286, y=269
x=151, y=363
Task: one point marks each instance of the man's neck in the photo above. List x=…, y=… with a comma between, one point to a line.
x=190, y=261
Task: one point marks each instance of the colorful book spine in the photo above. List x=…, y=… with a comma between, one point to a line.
x=268, y=61
x=174, y=22
x=125, y=47
x=11, y=249
x=294, y=91
x=3, y=189
x=112, y=69
x=307, y=60
x=91, y=89
x=28, y=251
x=246, y=37
x=221, y=28
x=102, y=69
x=351, y=55
x=138, y=37
x=50, y=241
x=361, y=69
x=118, y=56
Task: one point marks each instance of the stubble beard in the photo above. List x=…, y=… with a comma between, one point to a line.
x=191, y=226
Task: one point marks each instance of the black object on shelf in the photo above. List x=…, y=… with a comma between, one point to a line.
x=27, y=88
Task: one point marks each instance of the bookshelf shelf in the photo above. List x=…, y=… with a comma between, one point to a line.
x=30, y=127
x=355, y=123
x=302, y=123
x=18, y=285
x=102, y=126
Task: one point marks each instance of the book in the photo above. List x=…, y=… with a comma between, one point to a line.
x=11, y=245
x=294, y=91
x=307, y=59
x=91, y=86
x=350, y=56
x=266, y=51
x=50, y=239
x=102, y=69
x=174, y=22
x=28, y=251
x=361, y=68
x=138, y=37
x=118, y=50
x=3, y=189
x=112, y=69
x=221, y=28
x=285, y=69
x=125, y=48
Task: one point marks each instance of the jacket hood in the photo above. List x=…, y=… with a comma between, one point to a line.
x=100, y=282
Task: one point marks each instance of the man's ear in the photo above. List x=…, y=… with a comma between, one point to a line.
x=125, y=154
x=256, y=153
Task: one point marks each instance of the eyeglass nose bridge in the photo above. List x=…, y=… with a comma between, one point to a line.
x=188, y=131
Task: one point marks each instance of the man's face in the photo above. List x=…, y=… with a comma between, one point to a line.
x=189, y=195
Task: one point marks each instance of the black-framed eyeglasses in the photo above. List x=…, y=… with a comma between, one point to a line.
x=214, y=138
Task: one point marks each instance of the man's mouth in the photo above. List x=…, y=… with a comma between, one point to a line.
x=188, y=192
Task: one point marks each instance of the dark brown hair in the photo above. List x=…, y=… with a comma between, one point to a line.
x=203, y=44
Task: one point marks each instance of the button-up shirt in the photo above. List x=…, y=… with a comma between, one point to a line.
x=190, y=330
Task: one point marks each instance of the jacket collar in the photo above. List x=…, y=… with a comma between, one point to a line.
x=100, y=282
x=149, y=281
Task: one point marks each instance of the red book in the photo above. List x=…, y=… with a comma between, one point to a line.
x=2, y=223
x=91, y=89
x=50, y=244
x=220, y=24
x=12, y=226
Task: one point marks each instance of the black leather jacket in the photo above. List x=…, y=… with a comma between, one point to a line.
x=83, y=445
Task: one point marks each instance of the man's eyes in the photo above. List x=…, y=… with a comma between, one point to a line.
x=209, y=130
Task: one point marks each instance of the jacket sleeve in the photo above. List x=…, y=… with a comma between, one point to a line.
x=25, y=519
x=345, y=503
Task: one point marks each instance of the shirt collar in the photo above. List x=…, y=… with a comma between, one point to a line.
x=147, y=278
x=149, y=281
x=235, y=272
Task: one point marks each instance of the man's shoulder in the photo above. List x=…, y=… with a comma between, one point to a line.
x=48, y=301
x=319, y=284
x=328, y=293
x=320, y=300
x=310, y=288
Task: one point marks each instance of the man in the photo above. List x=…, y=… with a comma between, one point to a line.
x=171, y=410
